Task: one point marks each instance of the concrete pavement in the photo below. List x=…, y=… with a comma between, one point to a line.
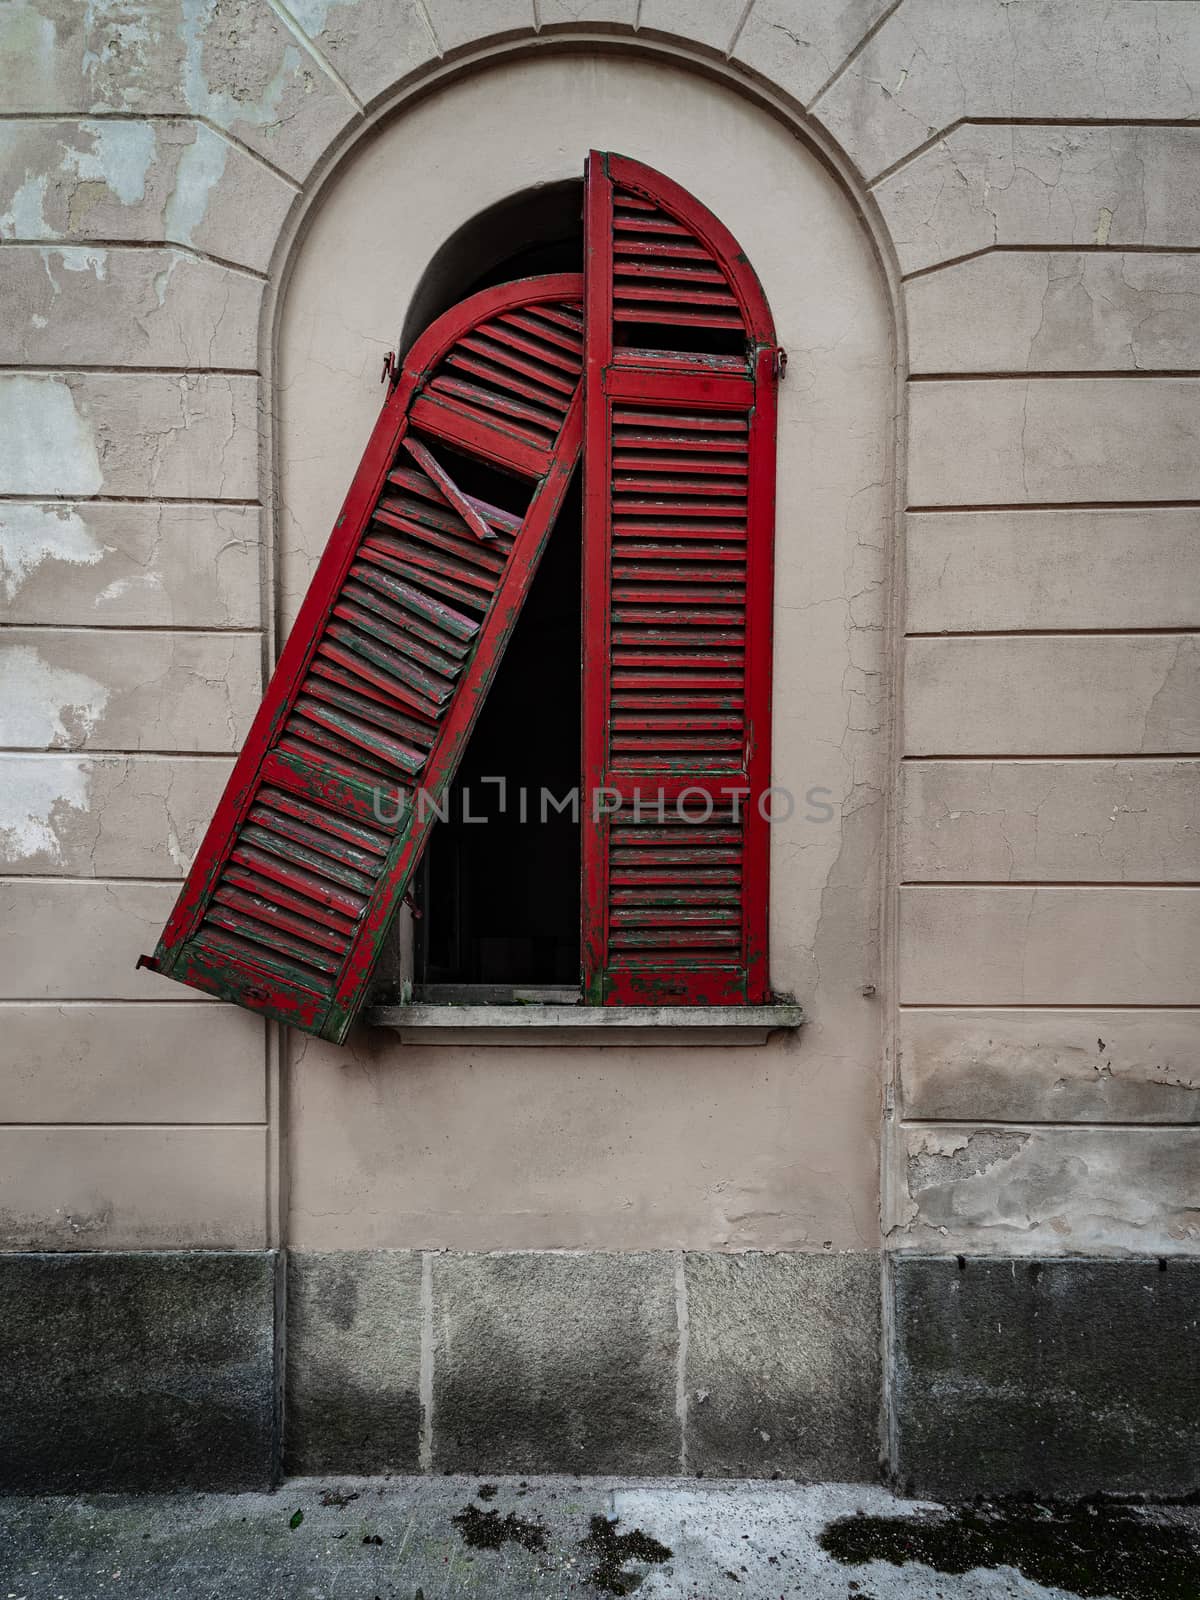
x=450, y=1538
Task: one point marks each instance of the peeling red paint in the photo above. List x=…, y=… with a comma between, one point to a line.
x=299, y=875
x=679, y=469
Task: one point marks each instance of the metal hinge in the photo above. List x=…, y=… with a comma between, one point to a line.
x=391, y=368
x=779, y=364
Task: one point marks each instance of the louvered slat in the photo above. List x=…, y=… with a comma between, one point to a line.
x=662, y=274
x=379, y=684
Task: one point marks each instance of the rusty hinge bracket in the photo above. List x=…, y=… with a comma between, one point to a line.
x=391, y=369
x=779, y=365
x=149, y=962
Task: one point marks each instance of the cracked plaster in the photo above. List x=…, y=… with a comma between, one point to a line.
x=118, y=816
x=1038, y=1190
x=1060, y=1065
x=988, y=185
x=573, y=1147
x=99, y=689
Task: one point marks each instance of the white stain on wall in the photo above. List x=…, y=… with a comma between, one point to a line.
x=34, y=795
x=312, y=15
x=200, y=167
x=46, y=446
x=120, y=157
x=26, y=216
x=74, y=258
x=120, y=35
x=32, y=534
x=44, y=707
x=225, y=108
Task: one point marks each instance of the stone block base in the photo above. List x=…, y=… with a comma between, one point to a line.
x=1064, y=1377
x=137, y=1371
x=584, y=1362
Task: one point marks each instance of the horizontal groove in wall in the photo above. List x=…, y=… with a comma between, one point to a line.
x=1043, y=1005
x=1059, y=1127
x=1020, y=376
x=1045, y=883
x=51, y=499
x=942, y=133
x=127, y=627
x=74, y=754
x=1079, y=122
x=1056, y=505
x=129, y=1127
x=73, y=878
x=106, y=1000
x=1066, y=248
x=154, y=116
x=1050, y=755
x=1100, y=760
x=77, y=753
x=1107, y=756
x=129, y=369
x=134, y=244
x=1056, y=633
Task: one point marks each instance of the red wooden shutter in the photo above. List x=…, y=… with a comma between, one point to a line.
x=391, y=655
x=679, y=458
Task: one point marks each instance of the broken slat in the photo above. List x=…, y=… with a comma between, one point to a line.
x=422, y=456
x=399, y=636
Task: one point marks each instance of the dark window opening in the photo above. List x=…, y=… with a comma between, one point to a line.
x=499, y=899
x=537, y=231
x=683, y=337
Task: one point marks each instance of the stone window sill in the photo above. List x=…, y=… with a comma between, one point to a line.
x=537, y=1024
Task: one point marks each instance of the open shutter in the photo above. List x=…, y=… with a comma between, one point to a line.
x=397, y=641
x=679, y=455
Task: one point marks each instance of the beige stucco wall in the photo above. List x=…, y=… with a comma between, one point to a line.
x=1028, y=172
x=769, y=1147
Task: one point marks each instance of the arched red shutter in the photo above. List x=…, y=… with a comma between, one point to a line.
x=377, y=689
x=679, y=460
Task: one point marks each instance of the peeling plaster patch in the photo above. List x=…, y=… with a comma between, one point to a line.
x=74, y=258
x=226, y=109
x=32, y=797
x=127, y=36
x=162, y=279
x=46, y=447
x=941, y=1158
x=81, y=259
x=120, y=157
x=26, y=218
x=30, y=535
x=200, y=167
x=44, y=707
x=312, y=15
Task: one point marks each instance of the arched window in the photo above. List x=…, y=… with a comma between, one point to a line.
x=678, y=528
x=662, y=359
